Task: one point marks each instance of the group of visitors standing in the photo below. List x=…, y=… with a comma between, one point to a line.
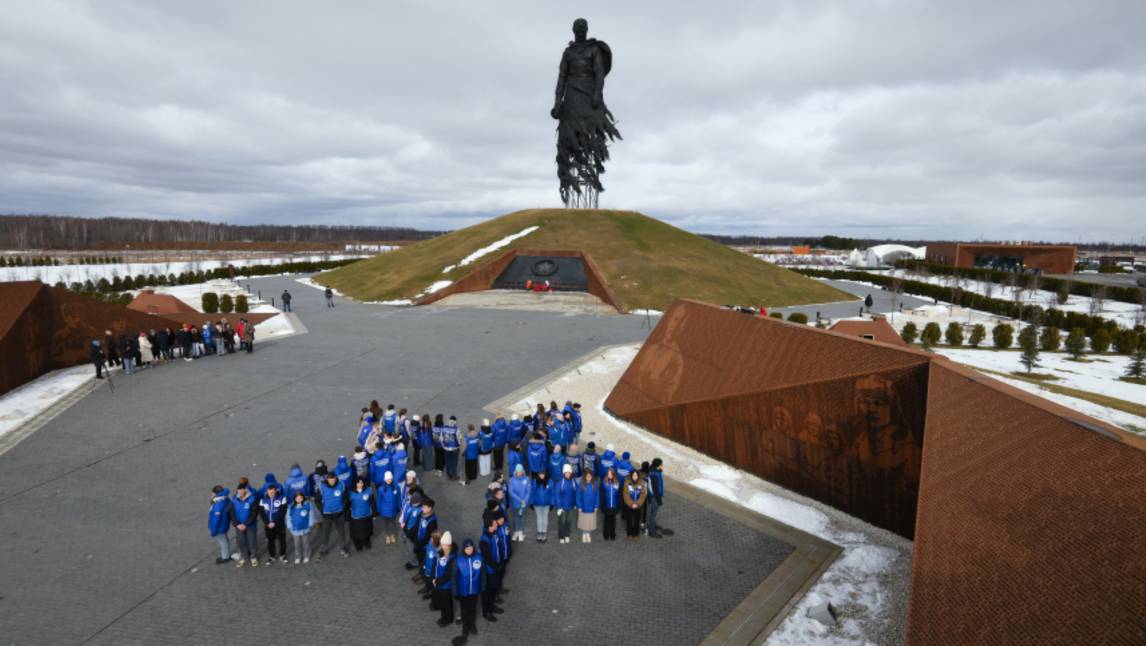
x=377, y=492
x=144, y=349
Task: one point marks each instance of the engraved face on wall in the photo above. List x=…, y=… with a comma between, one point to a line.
x=873, y=400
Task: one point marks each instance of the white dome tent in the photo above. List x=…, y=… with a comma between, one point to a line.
x=884, y=255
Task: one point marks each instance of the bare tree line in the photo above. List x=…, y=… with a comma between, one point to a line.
x=68, y=232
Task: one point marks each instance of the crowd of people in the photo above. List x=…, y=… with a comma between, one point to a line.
x=377, y=493
x=144, y=349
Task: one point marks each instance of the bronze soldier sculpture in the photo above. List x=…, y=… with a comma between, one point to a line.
x=585, y=126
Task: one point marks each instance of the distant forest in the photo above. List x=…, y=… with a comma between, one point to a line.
x=847, y=244
x=67, y=232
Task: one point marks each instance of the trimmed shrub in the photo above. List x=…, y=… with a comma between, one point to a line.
x=241, y=305
x=1076, y=343
x=798, y=317
x=1100, y=340
x=931, y=335
x=1050, y=340
x=1126, y=342
x=210, y=302
x=226, y=304
x=909, y=333
x=1003, y=335
x=776, y=315
x=954, y=334
x=978, y=333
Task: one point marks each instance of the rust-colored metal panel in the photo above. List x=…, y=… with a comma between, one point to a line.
x=1030, y=524
x=55, y=330
x=482, y=278
x=700, y=351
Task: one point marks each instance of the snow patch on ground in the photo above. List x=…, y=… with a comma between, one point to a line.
x=397, y=302
x=309, y=282
x=38, y=395
x=868, y=583
x=646, y=313
x=437, y=286
x=490, y=248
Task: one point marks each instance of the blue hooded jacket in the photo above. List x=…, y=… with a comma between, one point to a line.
x=422, y=434
x=500, y=432
x=485, y=435
x=244, y=512
x=657, y=484
x=268, y=480
x=296, y=482
x=443, y=571
x=362, y=502
x=363, y=433
x=515, y=432
x=610, y=496
x=450, y=436
x=429, y=560
x=588, y=497
x=468, y=572
x=389, y=500
x=542, y=495
x=219, y=518
x=535, y=456
x=381, y=462
x=473, y=446
x=208, y=334
x=513, y=458
x=566, y=494
x=300, y=517
x=624, y=467
x=520, y=491
x=607, y=461
x=556, y=462
x=401, y=462
x=390, y=421
x=343, y=471
x=557, y=435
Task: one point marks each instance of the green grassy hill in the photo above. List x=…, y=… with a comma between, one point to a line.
x=646, y=262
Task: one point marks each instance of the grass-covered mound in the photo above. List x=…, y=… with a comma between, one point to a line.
x=646, y=262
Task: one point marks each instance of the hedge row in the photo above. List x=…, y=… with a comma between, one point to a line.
x=1123, y=294
x=117, y=284
x=1050, y=317
x=52, y=261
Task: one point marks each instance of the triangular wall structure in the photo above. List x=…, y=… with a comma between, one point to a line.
x=1027, y=516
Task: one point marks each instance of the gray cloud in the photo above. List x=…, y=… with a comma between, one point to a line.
x=901, y=119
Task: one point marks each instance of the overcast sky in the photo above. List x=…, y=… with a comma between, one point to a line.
x=1012, y=120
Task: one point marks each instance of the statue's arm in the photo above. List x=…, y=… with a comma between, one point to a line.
x=598, y=79
x=562, y=74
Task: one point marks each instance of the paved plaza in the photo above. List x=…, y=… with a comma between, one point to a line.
x=103, y=510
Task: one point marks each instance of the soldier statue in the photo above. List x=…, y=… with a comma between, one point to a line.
x=584, y=125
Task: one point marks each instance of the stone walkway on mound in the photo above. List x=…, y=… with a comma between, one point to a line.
x=506, y=299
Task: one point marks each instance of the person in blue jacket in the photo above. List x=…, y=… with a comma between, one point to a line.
x=245, y=517
x=514, y=457
x=400, y=460
x=426, y=523
x=590, y=460
x=515, y=433
x=624, y=467
x=656, y=480
x=389, y=503
x=492, y=555
x=381, y=462
x=577, y=423
x=295, y=482
x=485, y=448
x=219, y=521
x=573, y=459
x=450, y=446
x=268, y=480
x=359, y=465
x=424, y=438
x=507, y=552
x=469, y=574
x=565, y=499
x=343, y=472
x=608, y=460
x=437, y=434
x=273, y=509
x=443, y=580
x=556, y=463
x=536, y=458
x=330, y=499
x=208, y=338
x=542, y=500
x=500, y=439
x=411, y=509
x=300, y=519
x=570, y=429
x=588, y=500
x=473, y=451
x=361, y=514
x=610, y=503
x=520, y=495
x=553, y=433
x=429, y=564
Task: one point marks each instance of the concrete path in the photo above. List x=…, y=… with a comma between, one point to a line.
x=847, y=309
x=103, y=510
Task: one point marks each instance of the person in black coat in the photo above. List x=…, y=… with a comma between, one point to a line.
x=126, y=355
x=97, y=358
x=109, y=347
x=164, y=343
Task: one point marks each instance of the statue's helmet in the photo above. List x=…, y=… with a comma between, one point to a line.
x=580, y=25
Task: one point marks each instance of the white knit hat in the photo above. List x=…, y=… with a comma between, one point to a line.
x=485, y=422
x=388, y=476
x=514, y=417
x=568, y=468
x=412, y=474
x=447, y=539
x=608, y=447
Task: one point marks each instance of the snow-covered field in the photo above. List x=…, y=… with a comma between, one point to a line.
x=1099, y=376
x=35, y=397
x=80, y=273
x=868, y=583
x=1127, y=314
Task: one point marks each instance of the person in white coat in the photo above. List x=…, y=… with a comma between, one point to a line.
x=146, y=356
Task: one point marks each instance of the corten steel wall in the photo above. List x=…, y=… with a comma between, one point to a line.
x=854, y=443
x=942, y=252
x=482, y=278
x=1031, y=521
x=1052, y=259
x=837, y=418
x=55, y=331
